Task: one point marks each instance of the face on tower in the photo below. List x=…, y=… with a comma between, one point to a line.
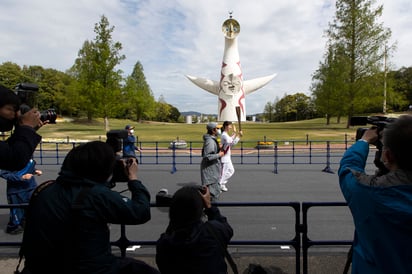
x=231, y=28
x=231, y=84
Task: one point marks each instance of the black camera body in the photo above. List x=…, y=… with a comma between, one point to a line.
x=27, y=94
x=164, y=199
x=115, y=140
x=379, y=121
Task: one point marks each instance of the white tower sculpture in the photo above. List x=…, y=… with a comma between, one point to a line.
x=231, y=89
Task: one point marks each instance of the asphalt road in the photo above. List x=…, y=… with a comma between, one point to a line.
x=250, y=183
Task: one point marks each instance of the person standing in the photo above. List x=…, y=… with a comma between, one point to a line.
x=129, y=143
x=18, y=149
x=381, y=205
x=227, y=142
x=20, y=186
x=210, y=167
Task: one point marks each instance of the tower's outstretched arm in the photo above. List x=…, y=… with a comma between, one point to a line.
x=252, y=85
x=206, y=84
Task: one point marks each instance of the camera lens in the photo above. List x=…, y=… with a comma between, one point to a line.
x=49, y=114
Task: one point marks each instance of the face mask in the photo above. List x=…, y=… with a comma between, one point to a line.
x=131, y=131
x=6, y=124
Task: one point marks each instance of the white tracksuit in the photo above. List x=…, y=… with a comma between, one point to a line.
x=227, y=167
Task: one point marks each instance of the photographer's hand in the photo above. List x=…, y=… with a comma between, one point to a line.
x=371, y=135
x=31, y=119
x=205, y=193
x=131, y=168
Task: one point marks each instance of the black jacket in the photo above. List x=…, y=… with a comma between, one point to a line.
x=18, y=149
x=67, y=225
x=193, y=249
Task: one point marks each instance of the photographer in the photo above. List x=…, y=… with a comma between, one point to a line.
x=190, y=245
x=18, y=149
x=381, y=206
x=67, y=220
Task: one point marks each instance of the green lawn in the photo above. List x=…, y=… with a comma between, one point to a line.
x=315, y=130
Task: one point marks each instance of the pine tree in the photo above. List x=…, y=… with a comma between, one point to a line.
x=361, y=41
x=95, y=70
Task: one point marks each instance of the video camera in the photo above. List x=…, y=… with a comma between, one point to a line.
x=380, y=122
x=26, y=93
x=115, y=140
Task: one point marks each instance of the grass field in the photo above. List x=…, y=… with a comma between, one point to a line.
x=315, y=130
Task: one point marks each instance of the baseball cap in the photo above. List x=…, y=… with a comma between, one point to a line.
x=211, y=125
x=129, y=127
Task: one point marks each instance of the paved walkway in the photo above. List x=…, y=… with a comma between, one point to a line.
x=273, y=265
x=250, y=183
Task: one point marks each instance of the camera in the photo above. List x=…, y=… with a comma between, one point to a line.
x=164, y=199
x=115, y=140
x=27, y=94
x=379, y=121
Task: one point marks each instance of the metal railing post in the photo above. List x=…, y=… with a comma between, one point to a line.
x=327, y=168
x=173, y=158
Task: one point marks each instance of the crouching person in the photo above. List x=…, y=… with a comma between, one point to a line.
x=190, y=245
x=67, y=219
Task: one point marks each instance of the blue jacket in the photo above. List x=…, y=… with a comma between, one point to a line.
x=382, y=217
x=129, y=146
x=15, y=183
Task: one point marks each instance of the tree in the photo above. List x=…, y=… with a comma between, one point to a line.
x=165, y=112
x=327, y=84
x=10, y=74
x=402, y=87
x=53, y=85
x=361, y=41
x=294, y=107
x=269, y=111
x=95, y=70
x=139, y=98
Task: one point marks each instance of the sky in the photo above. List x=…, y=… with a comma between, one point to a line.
x=175, y=38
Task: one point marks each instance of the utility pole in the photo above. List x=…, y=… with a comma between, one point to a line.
x=384, y=81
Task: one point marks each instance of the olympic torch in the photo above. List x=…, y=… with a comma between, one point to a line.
x=239, y=119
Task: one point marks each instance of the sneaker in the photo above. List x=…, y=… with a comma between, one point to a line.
x=223, y=188
x=15, y=231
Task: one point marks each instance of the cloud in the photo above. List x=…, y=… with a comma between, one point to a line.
x=178, y=37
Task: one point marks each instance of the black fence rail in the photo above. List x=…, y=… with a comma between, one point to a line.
x=306, y=242
x=273, y=153
x=300, y=242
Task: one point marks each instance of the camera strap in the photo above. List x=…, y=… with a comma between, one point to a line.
x=229, y=258
x=348, y=260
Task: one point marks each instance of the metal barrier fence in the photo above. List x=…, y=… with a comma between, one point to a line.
x=245, y=153
x=306, y=242
x=275, y=154
x=300, y=241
